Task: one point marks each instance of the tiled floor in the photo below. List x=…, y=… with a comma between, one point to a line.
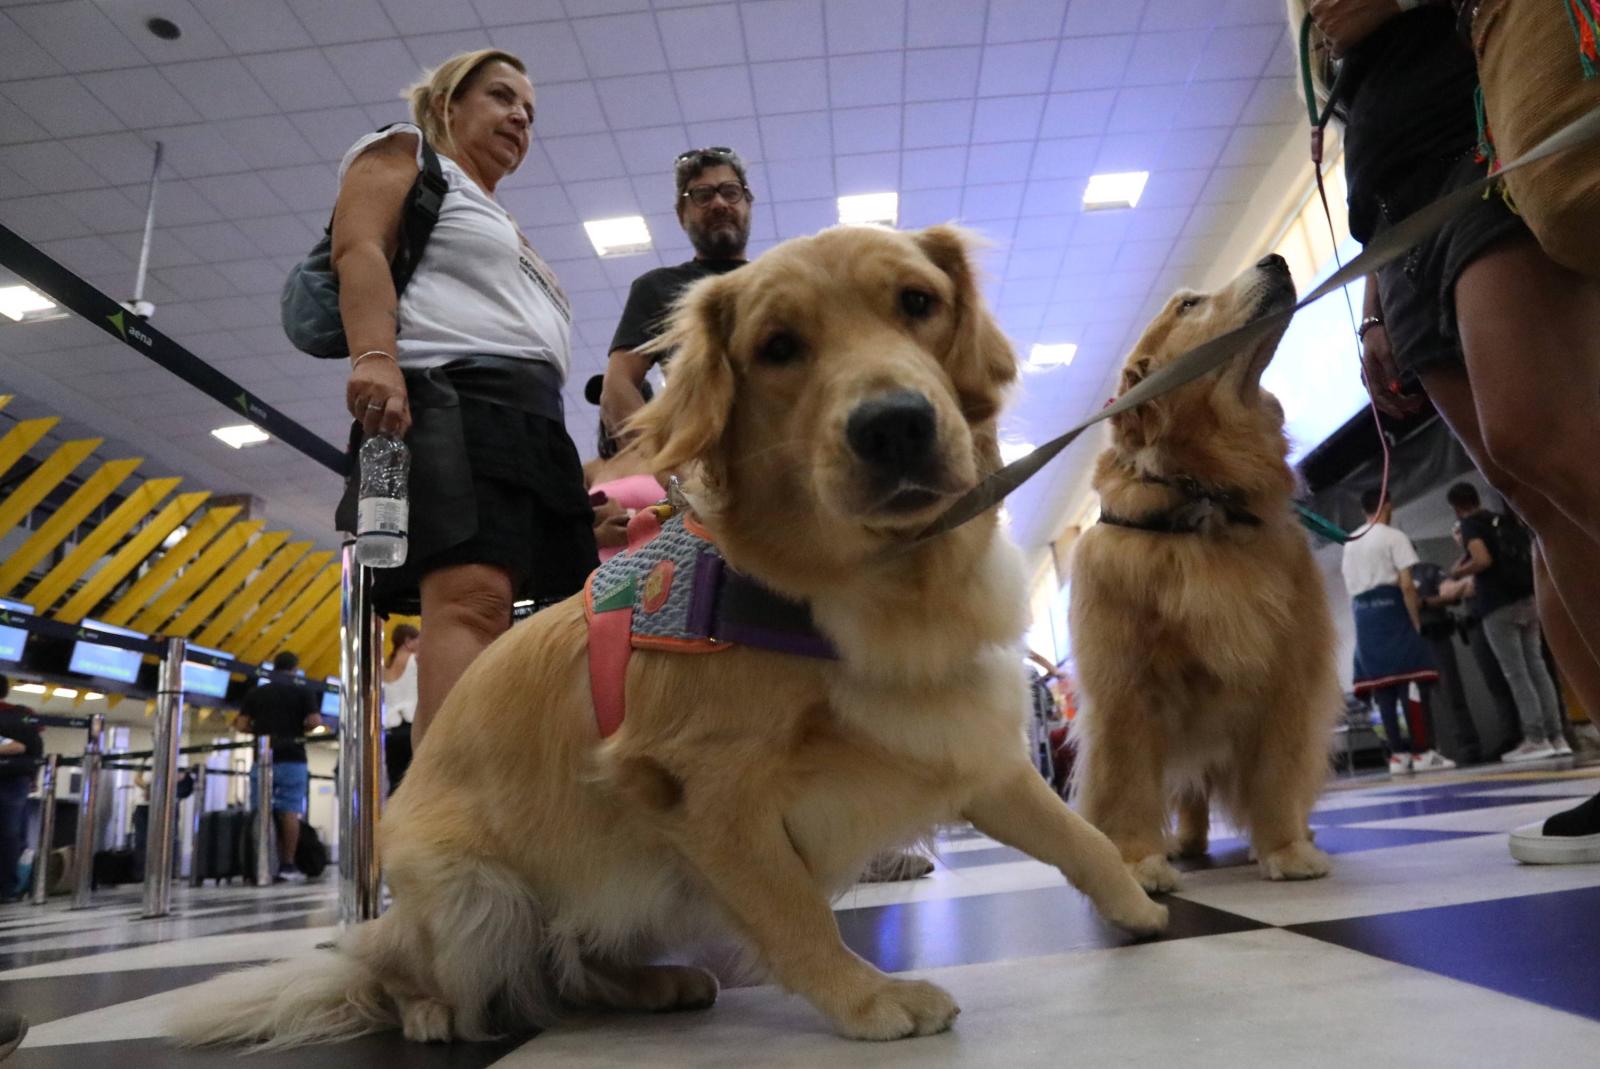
x=1428, y=946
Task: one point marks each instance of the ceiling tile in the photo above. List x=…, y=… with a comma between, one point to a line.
x=584, y=156
x=16, y=126
x=259, y=26
x=1240, y=51
x=1274, y=100
x=1012, y=69
x=240, y=196
x=372, y=71
x=1024, y=20
x=547, y=205
x=40, y=218
x=1258, y=144
x=569, y=108
x=198, y=40
x=602, y=198
x=252, y=276
x=216, y=242
x=1121, y=17
x=1007, y=119
x=1009, y=162
x=77, y=34
x=782, y=29
x=199, y=148
x=702, y=36
x=791, y=85
x=866, y=129
x=20, y=55
x=1067, y=157
x=621, y=44
x=1077, y=114
x=501, y=12
x=430, y=16
x=714, y=93
x=106, y=211
x=872, y=172
x=1181, y=15
x=933, y=168
x=1164, y=58
x=431, y=49
x=331, y=132
x=797, y=136
x=347, y=20
x=49, y=165
x=549, y=49
x=859, y=80
x=1146, y=107
x=219, y=88
x=864, y=25
x=140, y=97
x=803, y=180
x=935, y=23
x=1216, y=103
x=1091, y=62
x=991, y=203
x=286, y=235
x=644, y=100
x=269, y=141
x=943, y=122
x=651, y=151
x=195, y=282
x=798, y=218
x=311, y=184
x=62, y=106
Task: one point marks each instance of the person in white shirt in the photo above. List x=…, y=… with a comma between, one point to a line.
x=1391, y=654
x=467, y=365
x=399, y=701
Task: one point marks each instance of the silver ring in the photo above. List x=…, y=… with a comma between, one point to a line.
x=373, y=404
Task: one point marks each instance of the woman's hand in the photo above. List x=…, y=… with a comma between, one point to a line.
x=1346, y=23
x=376, y=397
x=610, y=525
x=1382, y=375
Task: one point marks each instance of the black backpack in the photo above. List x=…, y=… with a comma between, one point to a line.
x=1513, y=553
x=309, y=304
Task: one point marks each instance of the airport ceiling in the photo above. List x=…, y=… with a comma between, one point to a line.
x=992, y=113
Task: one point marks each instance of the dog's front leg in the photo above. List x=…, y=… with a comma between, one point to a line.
x=753, y=870
x=1022, y=811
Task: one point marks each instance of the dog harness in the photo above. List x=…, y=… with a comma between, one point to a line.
x=672, y=590
x=1200, y=503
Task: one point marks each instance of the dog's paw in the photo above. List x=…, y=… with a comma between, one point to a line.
x=1142, y=917
x=684, y=987
x=425, y=1020
x=897, y=1009
x=1297, y=861
x=1155, y=874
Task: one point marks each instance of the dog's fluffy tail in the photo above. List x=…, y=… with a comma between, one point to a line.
x=317, y=999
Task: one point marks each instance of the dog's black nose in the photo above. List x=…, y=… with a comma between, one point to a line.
x=1274, y=263
x=893, y=432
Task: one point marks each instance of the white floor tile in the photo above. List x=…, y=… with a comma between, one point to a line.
x=207, y=950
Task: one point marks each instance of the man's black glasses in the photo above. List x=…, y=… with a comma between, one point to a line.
x=732, y=192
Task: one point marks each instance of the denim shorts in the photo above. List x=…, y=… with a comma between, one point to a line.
x=291, y=785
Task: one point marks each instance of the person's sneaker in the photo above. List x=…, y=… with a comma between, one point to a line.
x=1561, y=747
x=1399, y=763
x=892, y=866
x=1569, y=838
x=13, y=1029
x=289, y=874
x=1529, y=751
x=1432, y=761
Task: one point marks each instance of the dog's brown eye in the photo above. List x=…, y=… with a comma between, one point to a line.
x=781, y=348
x=918, y=304
x=1188, y=303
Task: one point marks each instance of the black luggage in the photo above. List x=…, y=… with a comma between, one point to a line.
x=219, y=853
x=310, y=853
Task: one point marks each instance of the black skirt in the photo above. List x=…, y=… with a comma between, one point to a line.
x=495, y=479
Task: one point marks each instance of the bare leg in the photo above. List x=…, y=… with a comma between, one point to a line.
x=288, y=836
x=464, y=608
x=1025, y=813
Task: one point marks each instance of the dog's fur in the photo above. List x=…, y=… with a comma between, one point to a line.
x=1205, y=659
x=535, y=866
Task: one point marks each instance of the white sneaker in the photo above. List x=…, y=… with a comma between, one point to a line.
x=1561, y=748
x=1529, y=751
x=1399, y=763
x=1432, y=761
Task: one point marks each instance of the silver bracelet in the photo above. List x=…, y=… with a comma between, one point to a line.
x=356, y=360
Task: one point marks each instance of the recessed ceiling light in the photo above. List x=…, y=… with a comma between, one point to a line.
x=1057, y=355
x=28, y=688
x=1114, y=190
x=1011, y=452
x=869, y=209
x=165, y=29
x=242, y=435
x=27, y=305
x=92, y=696
x=63, y=692
x=618, y=237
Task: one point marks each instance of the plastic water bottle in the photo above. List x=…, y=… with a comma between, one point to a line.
x=383, y=507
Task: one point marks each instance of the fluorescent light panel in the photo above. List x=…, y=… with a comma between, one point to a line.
x=623, y=236
x=241, y=435
x=870, y=209
x=1059, y=354
x=24, y=304
x=1114, y=190
x=1010, y=452
x=27, y=688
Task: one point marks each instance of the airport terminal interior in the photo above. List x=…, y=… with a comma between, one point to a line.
x=171, y=463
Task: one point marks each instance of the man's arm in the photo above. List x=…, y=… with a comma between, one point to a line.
x=1408, y=591
x=12, y=748
x=620, y=392
x=1477, y=560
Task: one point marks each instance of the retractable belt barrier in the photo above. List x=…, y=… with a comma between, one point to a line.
x=70, y=291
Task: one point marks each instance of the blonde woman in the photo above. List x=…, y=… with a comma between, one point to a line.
x=468, y=365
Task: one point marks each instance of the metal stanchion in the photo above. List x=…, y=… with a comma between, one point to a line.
x=196, y=816
x=88, y=799
x=360, y=762
x=266, y=855
x=162, y=824
x=47, y=829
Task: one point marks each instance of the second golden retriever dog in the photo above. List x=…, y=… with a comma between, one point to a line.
x=1199, y=621
x=835, y=394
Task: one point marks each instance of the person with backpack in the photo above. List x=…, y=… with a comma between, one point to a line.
x=1499, y=557
x=462, y=349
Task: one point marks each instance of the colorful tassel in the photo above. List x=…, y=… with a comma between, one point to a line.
x=1584, y=17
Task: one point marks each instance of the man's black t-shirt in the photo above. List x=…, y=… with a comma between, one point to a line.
x=279, y=710
x=1406, y=94
x=644, y=317
x=12, y=727
x=1495, y=586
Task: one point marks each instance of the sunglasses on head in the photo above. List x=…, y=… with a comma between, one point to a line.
x=722, y=152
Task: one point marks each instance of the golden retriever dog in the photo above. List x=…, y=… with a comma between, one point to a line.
x=1201, y=628
x=834, y=396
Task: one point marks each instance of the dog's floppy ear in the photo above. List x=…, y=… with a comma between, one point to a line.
x=982, y=363
x=1142, y=423
x=686, y=421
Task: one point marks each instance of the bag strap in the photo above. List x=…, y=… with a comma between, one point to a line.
x=417, y=220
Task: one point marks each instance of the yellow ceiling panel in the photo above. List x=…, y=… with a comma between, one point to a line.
x=271, y=640
x=266, y=579
x=21, y=438
x=64, y=520
x=126, y=559
x=317, y=637
x=220, y=552
x=45, y=477
x=261, y=617
x=227, y=582
x=99, y=542
x=208, y=527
